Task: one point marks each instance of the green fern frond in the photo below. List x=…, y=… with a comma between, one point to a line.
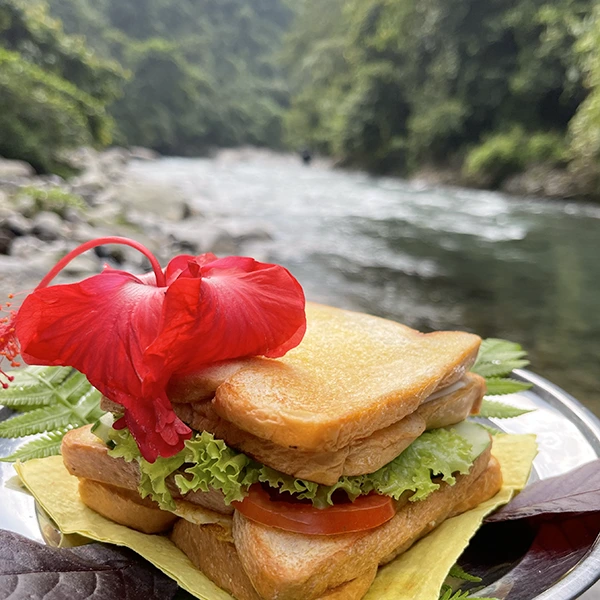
x=499, y=370
x=48, y=418
x=46, y=445
x=51, y=400
x=24, y=398
x=75, y=387
x=497, y=358
x=492, y=409
x=499, y=386
x=459, y=573
x=33, y=376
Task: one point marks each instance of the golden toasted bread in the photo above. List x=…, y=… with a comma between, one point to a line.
x=125, y=507
x=353, y=374
x=359, y=457
x=207, y=547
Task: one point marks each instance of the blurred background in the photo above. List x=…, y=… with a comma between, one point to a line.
x=432, y=161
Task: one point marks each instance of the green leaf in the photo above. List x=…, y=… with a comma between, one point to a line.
x=499, y=410
x=459, y=573
x=498, y=386
x=46, y=445
x=497, y=358
x=33, y=376
x=51, y=400
x=40, y=420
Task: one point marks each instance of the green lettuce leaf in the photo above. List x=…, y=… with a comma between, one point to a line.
x=217, y=466
x=208, y=463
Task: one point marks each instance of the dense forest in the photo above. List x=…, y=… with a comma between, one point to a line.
x=485, y=89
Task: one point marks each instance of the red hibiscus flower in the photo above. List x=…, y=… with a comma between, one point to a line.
x=129, y=334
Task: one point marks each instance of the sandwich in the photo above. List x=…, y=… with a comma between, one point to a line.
x=307, y=472
x=289, y=450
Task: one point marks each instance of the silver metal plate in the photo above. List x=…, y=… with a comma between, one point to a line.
x=568, y=436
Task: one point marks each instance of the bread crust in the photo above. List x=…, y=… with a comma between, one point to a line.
x=218, y=559
x=256, y=562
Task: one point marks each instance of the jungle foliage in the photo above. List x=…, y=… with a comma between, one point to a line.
x=203, y=74
x=489, y=87
x=53, y=91
x=486, y=89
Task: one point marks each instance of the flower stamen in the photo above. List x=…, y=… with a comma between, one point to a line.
x=9, y=345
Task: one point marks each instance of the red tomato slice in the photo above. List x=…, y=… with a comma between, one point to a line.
x=366, y=512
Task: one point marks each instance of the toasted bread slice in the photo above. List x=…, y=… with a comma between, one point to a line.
x=125, y=507
x=361, y=456
x=209, y=549
x=289, y=566
x=86, y=456
x=353, y=374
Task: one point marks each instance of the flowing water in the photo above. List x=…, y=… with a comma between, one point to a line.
x=433, y=258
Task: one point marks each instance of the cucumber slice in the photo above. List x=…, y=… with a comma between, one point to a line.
x=102, y=427
x=476, y=435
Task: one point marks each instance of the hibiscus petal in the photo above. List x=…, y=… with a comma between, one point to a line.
x=181, y=264
x=101, y=326
x=235, y=307
x=156, y=428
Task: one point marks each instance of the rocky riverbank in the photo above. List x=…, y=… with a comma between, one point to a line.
x=43, y=217
x=537, y=181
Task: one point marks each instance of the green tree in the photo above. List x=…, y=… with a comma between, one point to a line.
x=221, y=54
x=584, y=128
x=395, y=84
x=167, y=104
x=53, y=92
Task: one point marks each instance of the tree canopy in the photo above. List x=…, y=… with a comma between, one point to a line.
x=395, y=84
x=53, y=92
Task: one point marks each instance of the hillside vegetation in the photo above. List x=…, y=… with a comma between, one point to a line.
x=486, y=90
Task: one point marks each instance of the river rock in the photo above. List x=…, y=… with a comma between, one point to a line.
x=83, y=265
x=28, y=246
x=48, y=226
x=15, y=168
x=198, y=236
x=241, y=232
x=139, y=153
x=17, y=224
x=6, y=239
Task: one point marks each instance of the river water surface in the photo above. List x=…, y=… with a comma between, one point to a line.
x=433, y=258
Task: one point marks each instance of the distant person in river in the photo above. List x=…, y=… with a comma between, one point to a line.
x=306, y=156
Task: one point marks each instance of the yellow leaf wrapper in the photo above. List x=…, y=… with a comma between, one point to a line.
x=412, y=576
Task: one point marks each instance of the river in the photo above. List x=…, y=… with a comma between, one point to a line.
x=523, y=269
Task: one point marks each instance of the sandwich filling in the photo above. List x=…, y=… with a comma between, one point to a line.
x=207, y=463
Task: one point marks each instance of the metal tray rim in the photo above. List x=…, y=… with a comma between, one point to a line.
x=587, y=572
